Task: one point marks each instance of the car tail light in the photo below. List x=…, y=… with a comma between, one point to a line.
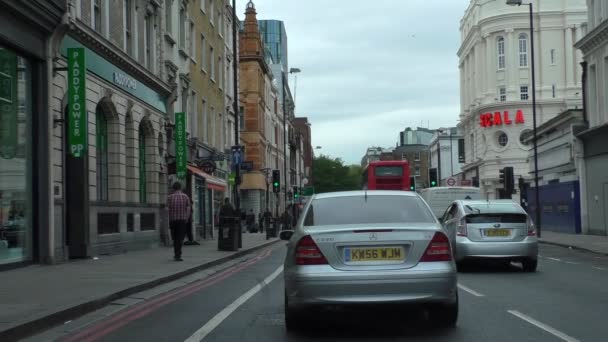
x=308, y=253
x=531, y=228
x=461, y=230
x=439, y=249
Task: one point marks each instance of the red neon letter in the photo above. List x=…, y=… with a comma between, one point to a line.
x=497, y=119
x=506, y=119
x=482, y=120
x=519, y=117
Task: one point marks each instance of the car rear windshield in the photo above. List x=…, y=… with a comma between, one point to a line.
x=494, y=213
x=367, y=210
x=491, y=208
x=383, y=171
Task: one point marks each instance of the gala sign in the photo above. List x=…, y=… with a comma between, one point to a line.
x=498, y=119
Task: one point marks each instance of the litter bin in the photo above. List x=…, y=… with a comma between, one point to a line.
x=228, y=235
x=272, y=230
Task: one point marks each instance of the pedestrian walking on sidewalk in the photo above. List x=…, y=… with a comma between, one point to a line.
x=180, y=209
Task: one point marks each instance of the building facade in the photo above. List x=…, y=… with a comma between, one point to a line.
x=496, y=107
x=594, y=184
x=447, y=154
x=418, y=136
x=254, y=93
x=417, y=156
x=110, y=199
x=303, y=129
x=30, y=36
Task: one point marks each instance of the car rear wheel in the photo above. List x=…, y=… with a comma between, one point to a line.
x=293, y=318
x=444, y=315
x=529, y=265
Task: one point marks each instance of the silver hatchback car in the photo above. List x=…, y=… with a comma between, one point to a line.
x=500, y=230
x=369, y=247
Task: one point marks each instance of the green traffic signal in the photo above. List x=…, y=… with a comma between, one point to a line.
x=276, y=184
x=433, y=183
x=412, y=188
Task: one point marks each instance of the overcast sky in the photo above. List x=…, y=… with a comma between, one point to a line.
x=370, y=68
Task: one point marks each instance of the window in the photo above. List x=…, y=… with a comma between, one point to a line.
x=375, y=209
x=552, y=56
x=212, y=127
x=203, y=53
x=192, y=41
x=383, y=171
x=502, y=94
x=503, y=139
x=191, y=123
x=142, y=165
x=211, y=12
x=416, y=156
x=220, y=70
x=169, y=16
x=553, y=90
x=220, y=16
x=523, y=50
x=203, y=5
x=205, y=136
x=148, y=48
x=472, y=144
x=212, y=59
x=241, y=118
x=128, y=27
x=501, y=53
x=101, y=132
x=97, y=15
x=417, y=172
x=523, y=93
x=182, y=28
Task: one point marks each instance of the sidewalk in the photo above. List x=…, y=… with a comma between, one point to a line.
x=37, y=297
x=590, y=243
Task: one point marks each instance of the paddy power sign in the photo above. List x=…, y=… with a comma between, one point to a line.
x=77, y=113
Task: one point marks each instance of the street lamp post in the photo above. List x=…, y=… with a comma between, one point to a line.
x=532, y=68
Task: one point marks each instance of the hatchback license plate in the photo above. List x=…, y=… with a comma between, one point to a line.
x=374, y=254
x=498, y=232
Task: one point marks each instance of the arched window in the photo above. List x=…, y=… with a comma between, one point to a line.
x=500, y=45
x=101, y=133
x=142, y=166
x=523, y=50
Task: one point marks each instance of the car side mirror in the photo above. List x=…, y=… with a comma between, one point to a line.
x=286, y=234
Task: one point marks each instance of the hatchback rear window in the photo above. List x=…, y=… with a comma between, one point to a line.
x=367, y=210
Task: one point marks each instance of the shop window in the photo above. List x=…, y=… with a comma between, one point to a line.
x=15, y=157
x=147, y=221
x=130, y=222
x=142, y=166
x=101, y=132
x=107, y=223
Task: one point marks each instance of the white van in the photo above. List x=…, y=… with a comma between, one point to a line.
x=440, y=198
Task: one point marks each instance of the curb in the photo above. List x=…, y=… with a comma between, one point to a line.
x=565, y=245
x=31, y=328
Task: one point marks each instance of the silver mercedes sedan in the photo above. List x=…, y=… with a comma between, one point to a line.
x=498, y=230
x=369, y=247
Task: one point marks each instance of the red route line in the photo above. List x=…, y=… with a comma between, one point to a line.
x=103, y=328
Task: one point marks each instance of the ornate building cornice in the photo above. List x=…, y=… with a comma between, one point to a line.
x=94, y=41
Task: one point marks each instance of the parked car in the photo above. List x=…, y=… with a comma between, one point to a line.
x=439, y=198
x=498, y=230
x=369, y=247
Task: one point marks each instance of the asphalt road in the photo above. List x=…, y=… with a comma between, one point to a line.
x=566, y=300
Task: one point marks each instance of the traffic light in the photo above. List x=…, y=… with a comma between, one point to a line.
x=501, y=177
x=413, y=183
x=276, y=181
x=509, y=181
x=296, y=193
x=433, y=177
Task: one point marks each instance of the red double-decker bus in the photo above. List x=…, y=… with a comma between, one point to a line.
x=387, y=175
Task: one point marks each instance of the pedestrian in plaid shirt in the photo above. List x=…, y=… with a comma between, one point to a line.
x=180, y=209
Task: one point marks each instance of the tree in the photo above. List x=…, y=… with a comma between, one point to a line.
x=332, y=175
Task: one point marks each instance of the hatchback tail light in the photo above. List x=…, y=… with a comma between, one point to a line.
x=438, y=250
x=461, y=230
x=308, y=253
x=531, y=228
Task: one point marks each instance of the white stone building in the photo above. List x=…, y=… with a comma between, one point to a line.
x=112, y=200
x=444, y=153
x=594, y=178
x=495, y=80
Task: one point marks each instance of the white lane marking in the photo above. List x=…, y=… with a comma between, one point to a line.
x=556, y=259
x=473, y=292
x=206, y=329
x=543, y=326
x=600, y=268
